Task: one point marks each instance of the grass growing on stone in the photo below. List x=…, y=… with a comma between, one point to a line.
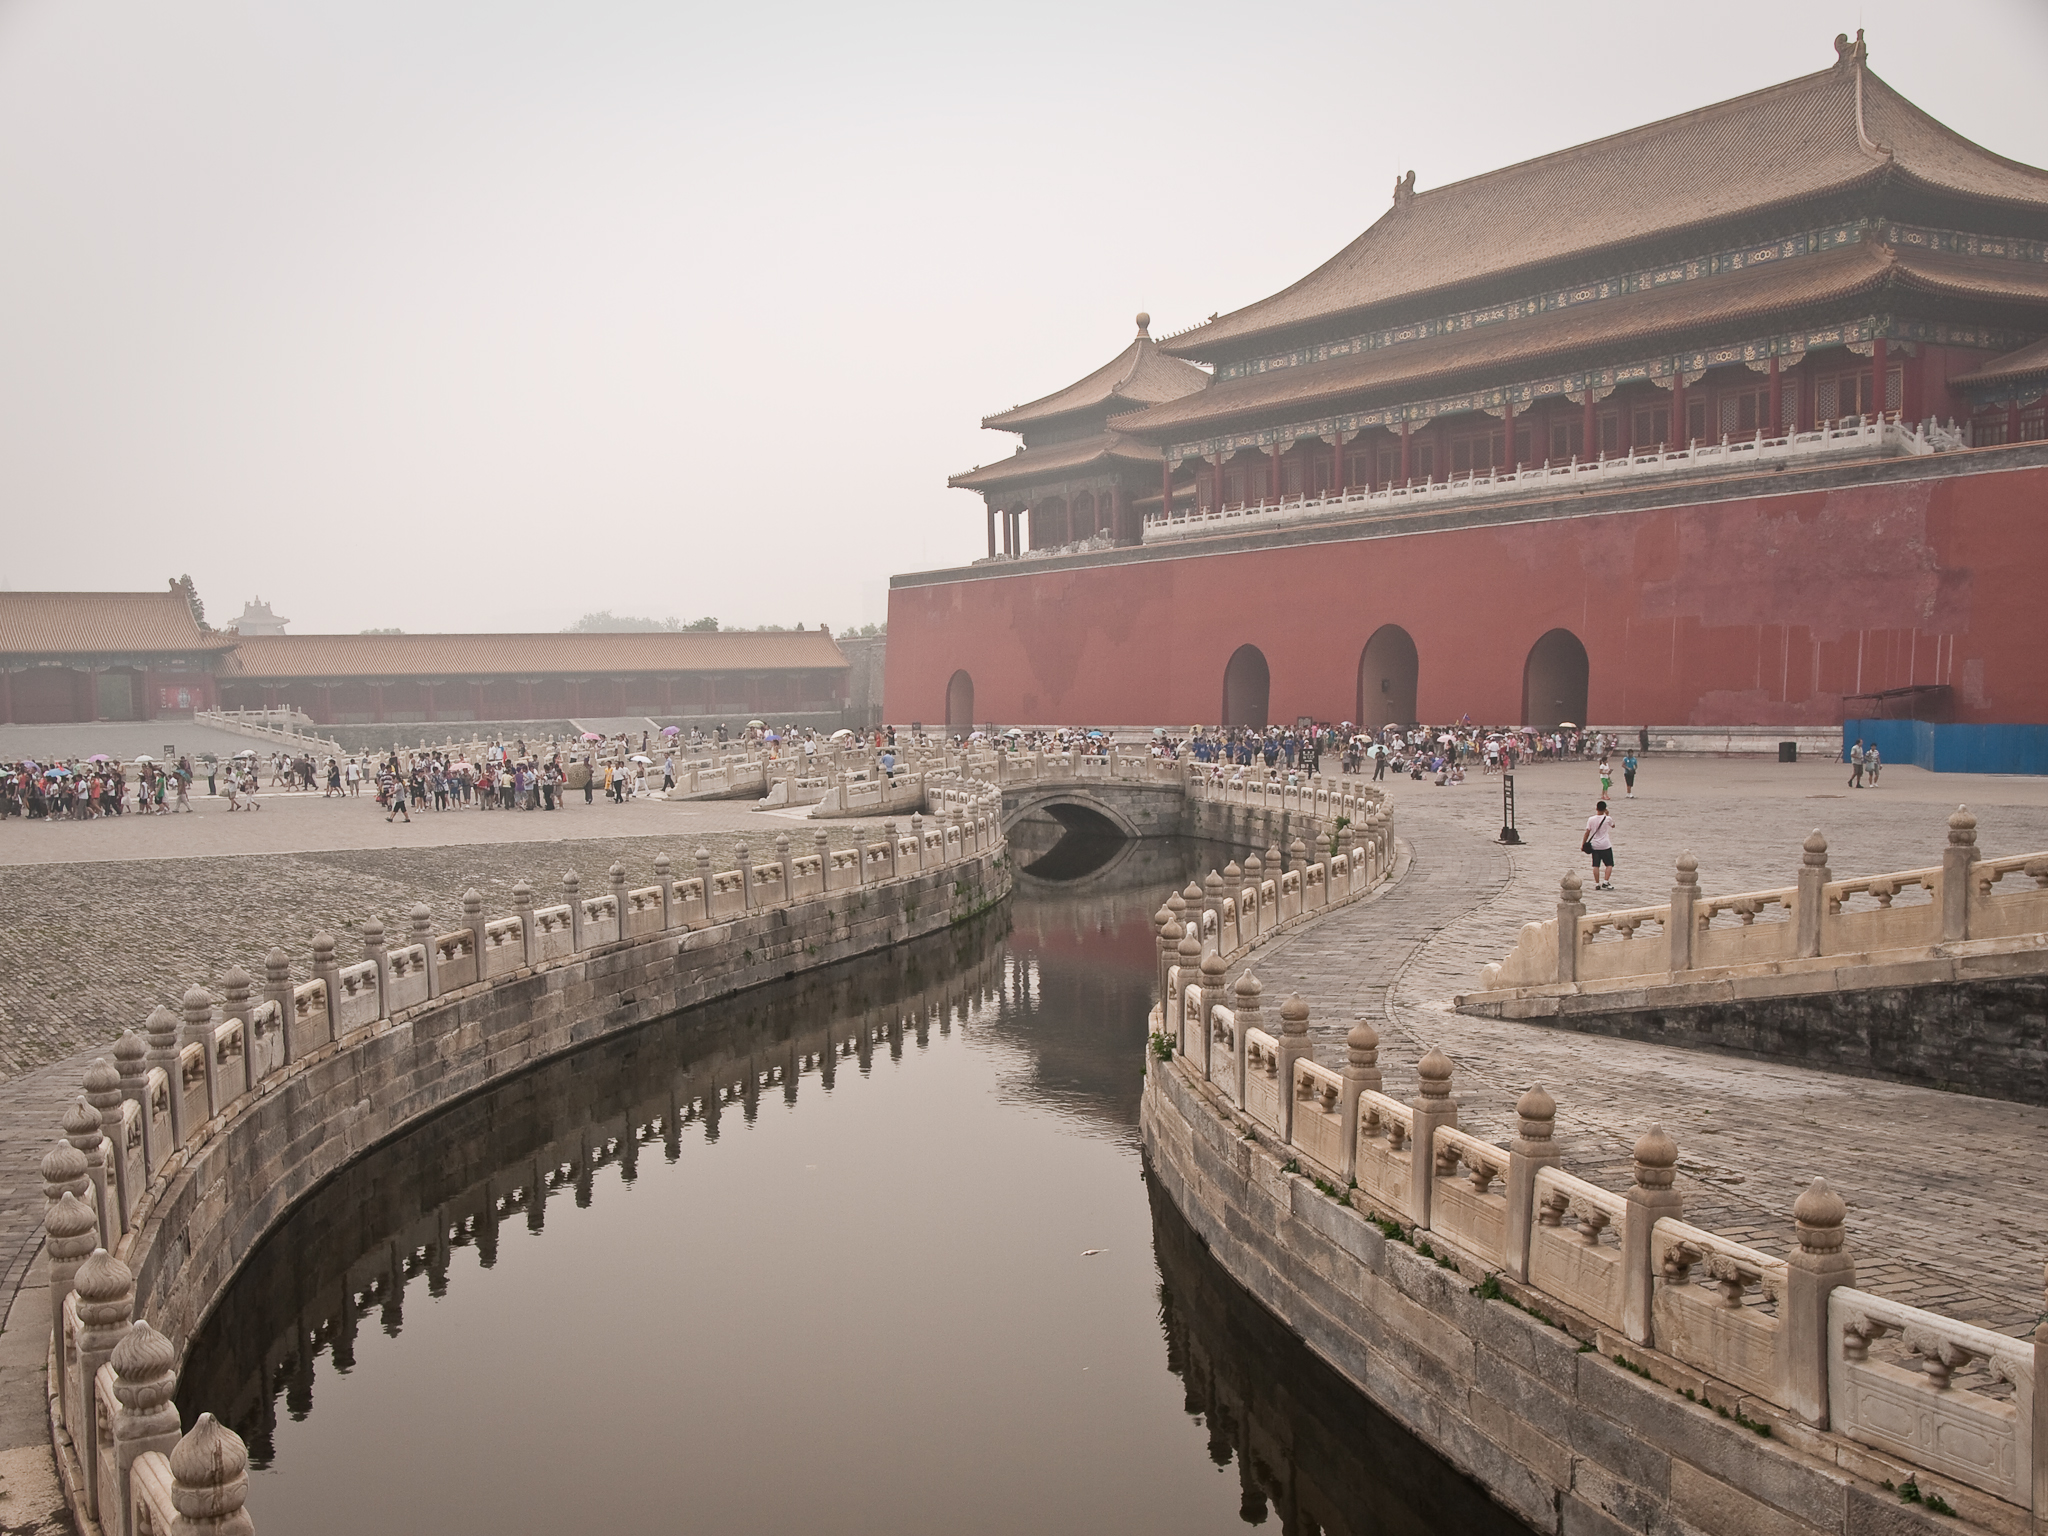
x=1162, y=1045
x=1933, y=1503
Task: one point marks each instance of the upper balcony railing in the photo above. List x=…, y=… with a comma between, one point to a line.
x=1846, y=439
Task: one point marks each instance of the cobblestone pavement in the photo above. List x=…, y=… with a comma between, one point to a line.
x=1946, y=1208
x=140, y=908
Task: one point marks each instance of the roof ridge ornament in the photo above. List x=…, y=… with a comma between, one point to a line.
x=1404, y=190
x=1854, y=56
x=1144, y=326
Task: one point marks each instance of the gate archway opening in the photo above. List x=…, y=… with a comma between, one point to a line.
x=960, y=703
x=1247, y=685
x=1387, y=673
x=1554, y=681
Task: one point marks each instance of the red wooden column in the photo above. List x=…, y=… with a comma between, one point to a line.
x=1219, y=480
x=1802, y=396
x=1589, y=434
x=1676, y=433
x=1880, y=366
x=1911, y=406
x=1507, y=441
x=2012, y=417
x=1407, y=469
x=1273, y=475
x=1338, y=483
x=1166, y=490
x=991, y=531
x=1777, y=401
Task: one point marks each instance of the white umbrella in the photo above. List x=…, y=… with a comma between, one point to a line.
x=245, y=752
x=842, y=735
x=754, y=725
x=144, y=757
x=639, y=759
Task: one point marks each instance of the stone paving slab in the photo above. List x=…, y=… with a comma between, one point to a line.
x=1947, y=1207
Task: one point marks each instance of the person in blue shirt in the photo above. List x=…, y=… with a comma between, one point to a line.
x=1628, y=774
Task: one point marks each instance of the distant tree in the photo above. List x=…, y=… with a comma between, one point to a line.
x=380, y=631
x=184, y=584
x=605, y=622
x=874, y=631
x=707, y=623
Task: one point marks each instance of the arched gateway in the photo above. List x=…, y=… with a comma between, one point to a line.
x=1247, y=684
x=1387, y=672
x=960, y=702
x=1554, y=681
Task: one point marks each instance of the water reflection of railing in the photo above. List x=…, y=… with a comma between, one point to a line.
x=354, y=1250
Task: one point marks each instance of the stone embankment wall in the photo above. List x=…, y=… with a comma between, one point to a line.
x=1935, y=976
x=186, y=1150
x=1596, y=1362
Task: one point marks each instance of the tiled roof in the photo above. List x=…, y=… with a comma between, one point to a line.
x=280, y=656
x=1055, y=459
x=1636, y=320
x=81, y=623
x=2022, y=364
x=1778, y=146
x=1139, y=375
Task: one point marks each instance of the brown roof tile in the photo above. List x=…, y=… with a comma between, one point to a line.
x=2025, y=363
x=80, y=623
x=1137, y=376
x=1776, y=146
x=1055, y=459
x=282, y=656
x=1638, y=318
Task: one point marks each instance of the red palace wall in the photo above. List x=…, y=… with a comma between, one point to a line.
x=1757, y=611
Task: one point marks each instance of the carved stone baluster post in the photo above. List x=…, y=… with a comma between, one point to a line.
x=145, y=1418
x=1431, y=1107
x=664, y=876
x=703, y=860
x=162, y=1025
x=618, y=878
x=1361, y=1073
x=73, y=1233
x=821, y=845
x=82, y=1130
x=572, y=892
x=1811, y=915
x=1212, y=903
x=1650, y=1199
x=106, y=1305
x=1275, y=868
x=1167, y=939
x=374, y=948
x=2040, y=1418
x=327, y=971
x=277, y=990
x=421, y=918
x=917, y=836
x=210, y=1482
x=1816, y=1265
x=103, y=1093
x=1293, y=1047
x=1254, y=873
x=1247, y=1012
x=1532, y=1148
x=131, y=1060
x=746, y=862
x=782, y=857
x=235, y=989
x=1213, y=970
x=473, y=920
x=1685, y=893
x=529, y=929
x=1297, y=860
x=1188, y=964
x=1569, y=910
x=198, y=1031
x=1956, y=861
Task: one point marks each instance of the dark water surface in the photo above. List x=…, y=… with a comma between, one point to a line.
x=814, y=1259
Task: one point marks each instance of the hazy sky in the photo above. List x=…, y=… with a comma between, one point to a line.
x=460, y=316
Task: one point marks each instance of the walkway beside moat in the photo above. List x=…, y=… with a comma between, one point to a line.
x=1947, y=1209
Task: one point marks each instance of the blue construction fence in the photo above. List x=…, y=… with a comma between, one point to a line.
x=1953, y=748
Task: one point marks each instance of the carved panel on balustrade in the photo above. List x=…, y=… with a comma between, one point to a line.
x=1575, y=1246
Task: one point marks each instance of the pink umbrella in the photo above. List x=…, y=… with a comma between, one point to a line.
x=592, y=736
x=671, y=730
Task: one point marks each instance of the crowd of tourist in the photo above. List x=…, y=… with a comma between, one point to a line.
x=85, y=789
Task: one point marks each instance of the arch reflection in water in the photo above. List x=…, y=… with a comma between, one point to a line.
x=670, y=1280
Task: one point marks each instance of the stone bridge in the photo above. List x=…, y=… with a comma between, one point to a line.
x=1132, y=809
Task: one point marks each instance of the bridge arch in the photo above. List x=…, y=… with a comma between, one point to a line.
x=1074, y=807
x=1555, y=681
x=1247, y=688
x=1387, y=672
x=960, y=702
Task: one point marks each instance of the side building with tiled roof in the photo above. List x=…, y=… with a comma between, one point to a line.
x=1072, y=480
x=1456, y=424
x=77, y=656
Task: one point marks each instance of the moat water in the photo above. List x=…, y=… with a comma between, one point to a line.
x=870, y=1250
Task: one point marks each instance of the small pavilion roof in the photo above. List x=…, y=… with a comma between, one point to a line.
x=1035, y=464
x=1637, y=319
x=1822, y=133
x=314, y=656
x=83, y=623
x=2014, y=367
x=1137, y=376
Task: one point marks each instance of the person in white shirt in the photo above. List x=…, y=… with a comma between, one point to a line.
x=1600, y=844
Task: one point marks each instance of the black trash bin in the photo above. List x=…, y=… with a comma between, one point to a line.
x=1788, y=751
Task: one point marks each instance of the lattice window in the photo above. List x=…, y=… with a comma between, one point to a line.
x=1567, y=441
x=2034, y=424
x=1696, y=421
x=1652, y=426
x=1610, y=432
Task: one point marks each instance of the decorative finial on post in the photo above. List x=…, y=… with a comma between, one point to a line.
x=210, y=1481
